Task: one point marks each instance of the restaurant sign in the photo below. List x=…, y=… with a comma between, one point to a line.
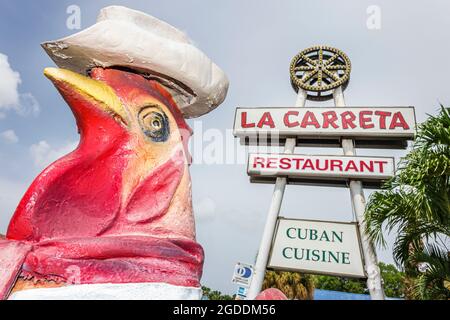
x=307, y=122
x=319, y=167
x=317, y=247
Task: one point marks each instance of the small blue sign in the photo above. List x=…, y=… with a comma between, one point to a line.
x=243, y=274
x=242, y=292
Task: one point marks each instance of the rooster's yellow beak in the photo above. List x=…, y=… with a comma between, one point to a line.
x=94, y=91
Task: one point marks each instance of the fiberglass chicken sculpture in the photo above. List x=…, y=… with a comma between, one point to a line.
x=113, y=219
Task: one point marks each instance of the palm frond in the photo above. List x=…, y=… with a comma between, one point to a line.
x=415, y=202
x=432, y=283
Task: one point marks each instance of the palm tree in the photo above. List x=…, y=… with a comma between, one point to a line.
x=294, y=285
x=435, y=282
x=416, y=203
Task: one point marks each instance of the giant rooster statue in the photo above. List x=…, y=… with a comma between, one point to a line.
x=113, y=219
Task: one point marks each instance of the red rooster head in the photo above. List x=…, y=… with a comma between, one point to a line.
x=123, y=195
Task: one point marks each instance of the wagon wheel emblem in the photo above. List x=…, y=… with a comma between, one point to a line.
x=319, y=70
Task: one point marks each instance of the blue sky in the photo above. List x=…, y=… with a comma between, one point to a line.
x=405, y=62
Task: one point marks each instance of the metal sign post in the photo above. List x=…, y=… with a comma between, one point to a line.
x=374, y=281
x=272, y=216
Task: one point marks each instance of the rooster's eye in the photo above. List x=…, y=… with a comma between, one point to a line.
x=154, y=124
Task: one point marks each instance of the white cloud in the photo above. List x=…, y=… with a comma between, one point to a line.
x=28, y=105
x=10, y=98
x=44, y=154
x=9, y=83
x=9, y=136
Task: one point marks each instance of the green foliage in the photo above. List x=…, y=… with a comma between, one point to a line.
x=340, y=284
x=416, y=203
x=393, y=281
x=215, y=295
x=434, y=283
x=293, y=284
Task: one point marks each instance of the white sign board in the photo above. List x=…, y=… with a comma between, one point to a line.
x=243, y=274
x=321, y=166
x=317, y=122
x=317, y=247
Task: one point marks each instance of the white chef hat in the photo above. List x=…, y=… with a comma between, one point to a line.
x=123, y=37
